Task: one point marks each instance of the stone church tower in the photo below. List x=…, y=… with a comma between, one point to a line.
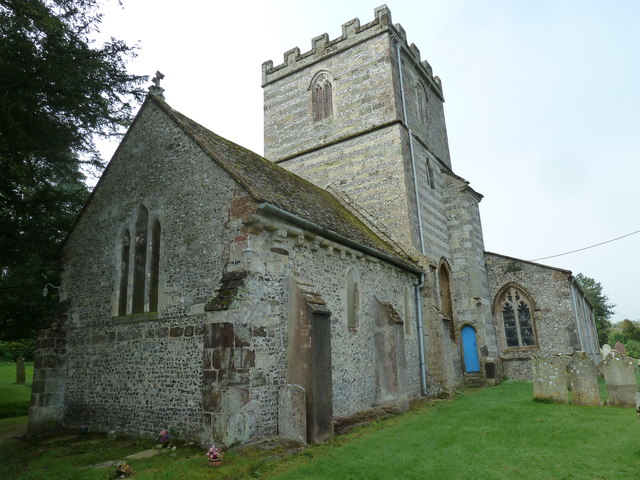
x=362, y=115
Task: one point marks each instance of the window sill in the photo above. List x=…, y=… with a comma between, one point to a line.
x=135, y=318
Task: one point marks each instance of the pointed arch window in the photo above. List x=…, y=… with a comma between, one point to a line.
x=446, y=303
x=517, y=319
x=322, y=97
x=124, y=273
x=140, y=261
x=353, y=299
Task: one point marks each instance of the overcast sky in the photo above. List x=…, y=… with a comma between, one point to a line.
x=542, y=105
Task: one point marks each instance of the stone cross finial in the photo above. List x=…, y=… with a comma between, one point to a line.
x=156, y=89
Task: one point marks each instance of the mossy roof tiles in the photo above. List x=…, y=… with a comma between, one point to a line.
x=270, y=183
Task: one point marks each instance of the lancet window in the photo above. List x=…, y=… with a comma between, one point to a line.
x=353, y=299
x=139, y=267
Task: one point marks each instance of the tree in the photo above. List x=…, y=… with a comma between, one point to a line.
x=602, y=309
x=58, y=90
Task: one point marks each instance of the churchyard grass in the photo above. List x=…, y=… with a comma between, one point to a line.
x=490, y=433
x=14, y=398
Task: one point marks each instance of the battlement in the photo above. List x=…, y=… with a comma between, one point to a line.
x=352, y=33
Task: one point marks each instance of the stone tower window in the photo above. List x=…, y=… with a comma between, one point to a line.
x=124, y=273
x=430, y=180
x=353, y=299
x=421, y=103
x=322, y=97
x=517, y=320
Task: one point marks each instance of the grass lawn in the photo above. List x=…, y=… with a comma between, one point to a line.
x=14, y=398
x=491, y=433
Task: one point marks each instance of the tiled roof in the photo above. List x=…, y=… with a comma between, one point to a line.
x=270, y=183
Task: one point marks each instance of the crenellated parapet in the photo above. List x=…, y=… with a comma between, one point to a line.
x=352, y=34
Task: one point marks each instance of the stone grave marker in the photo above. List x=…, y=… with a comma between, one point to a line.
x=292, y=413
x=550, y=378
x=583, y=375
x=605, y=349
x=20, y=373
x=620, y=377
x=619, y=347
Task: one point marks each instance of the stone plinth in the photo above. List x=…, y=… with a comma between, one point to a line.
x=583, y=375
x=550, y=378
x=620, y=376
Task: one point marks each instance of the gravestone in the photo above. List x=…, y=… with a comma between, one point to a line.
x=605, y=349
x=550, y=378
x=620, y=377
x=292, y=413
x=20, y=373
x=583, y=375
x=619, y=347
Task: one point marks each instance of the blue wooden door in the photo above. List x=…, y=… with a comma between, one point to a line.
x=470, y=350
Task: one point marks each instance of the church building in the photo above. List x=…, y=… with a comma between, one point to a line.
x=233, y=297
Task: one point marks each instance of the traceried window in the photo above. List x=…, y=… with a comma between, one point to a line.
x=322, y=97
x=517, y=320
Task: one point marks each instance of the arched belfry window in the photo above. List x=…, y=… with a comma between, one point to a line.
x=517, y=318
x=321, y=96
x=446, y=303
x=421, y=103
x=353, y=299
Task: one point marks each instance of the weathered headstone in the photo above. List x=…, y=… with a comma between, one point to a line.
x=20, y=373
x=619, y=347
x=550, y=378
x=292, y=413
x=620, y=377
x=583, y=375
x=605, y=349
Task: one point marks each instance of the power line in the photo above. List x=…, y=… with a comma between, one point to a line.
x=585, y=248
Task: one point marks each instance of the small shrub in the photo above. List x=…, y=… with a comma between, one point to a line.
x=10, y=351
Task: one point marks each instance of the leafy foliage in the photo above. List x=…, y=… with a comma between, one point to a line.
x=627, y=332
x=58, y=89
x=602, y=308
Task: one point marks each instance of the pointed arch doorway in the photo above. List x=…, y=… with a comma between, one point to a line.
x=470, y=350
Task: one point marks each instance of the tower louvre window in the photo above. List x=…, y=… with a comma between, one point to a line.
x=322, y=97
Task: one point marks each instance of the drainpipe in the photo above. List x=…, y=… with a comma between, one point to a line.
x=423, y=367
x=575, y=310
x=411, y=154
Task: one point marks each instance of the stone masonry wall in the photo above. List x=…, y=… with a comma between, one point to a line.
x=271, y=253
x=553, y=315
x=139, y=373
